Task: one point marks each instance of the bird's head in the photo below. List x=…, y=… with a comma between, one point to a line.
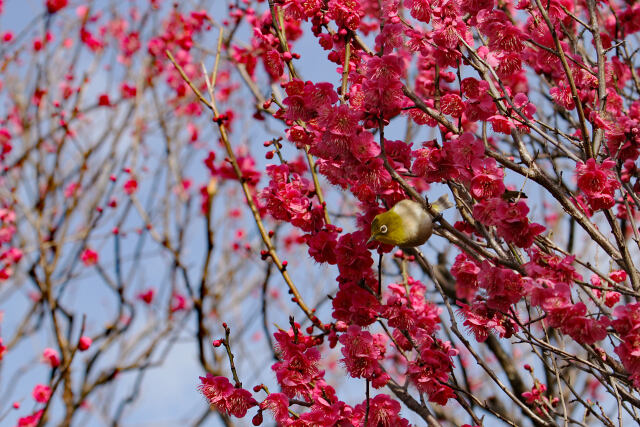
x=387, y=228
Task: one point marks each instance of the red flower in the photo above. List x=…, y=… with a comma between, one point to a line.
x=552, y=267
x=55, y=5
x=451, y=104
x=419, y=9
x=611, y=298
x=411, y=312
x=598, y=182
x=246, y=163
x=51, y=356
x=89, y=257
x=130, y=186
x=225, y=397
x=514, y=226
x=561, y=94
x=465, y=270
x=298, y=369
x=503, y=36
x=90, y=40
x=618, y=276
x=383, y=87
x=322, y=245
x=362, y=351
x=510, y=219
x=84, y=343
x=575, y=323
x=278, y=405
x=487, y=179
x=147, y=296
x=5, y=143
x=382, y=411
x=104, y=101
x=363, y=147
x=41, y=393
x=481, y=321
x=178, y=302
x=30, y=420
x=353, y=304
x=536, y=393
x=273, y=64
x=287, y=198
x=464, y=150
x=434, y=164
x=345, y=13
x=430, y=372
x=627, y=324
x=128, y=91
x=504, y=286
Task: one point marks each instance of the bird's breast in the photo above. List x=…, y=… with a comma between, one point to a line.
x=416, y=223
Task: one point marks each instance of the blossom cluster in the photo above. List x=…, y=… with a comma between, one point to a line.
x=10, y=255
x=627, y=324
x=299, y=376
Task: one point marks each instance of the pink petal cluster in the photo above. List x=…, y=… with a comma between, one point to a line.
x=353, y=304
x=430, y=372
x=504, y=286
x=488, y=310
x=382, y=89
x=487, y=181
x=89, y=257
x=627, y=324
x=598, y=183
x=54, y=6
x=536, y=395
x=610, y=298
x=51, y=357
x=346, y=14
x=322, y=245
x=325, y=410
x=298, y=370
x=383, y=411
x=288, y=198
x=177, y=35
x=41, y=393
x=465, y=269
x=5, y=143
x=147, y=295
x=410, y=311
x=225, y=171
x=482, y=321
x=459, y=158
x=510, y=219
x=84, y=343
x=30, y=420
x=9, y=254
x=362, y=353
x=549, y=288
x=225, y=397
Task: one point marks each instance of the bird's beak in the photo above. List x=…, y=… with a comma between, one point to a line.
x=371, y=239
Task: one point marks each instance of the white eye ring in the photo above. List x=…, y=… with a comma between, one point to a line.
x=383, y=229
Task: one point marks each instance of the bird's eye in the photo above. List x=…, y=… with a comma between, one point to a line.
x=383, y=229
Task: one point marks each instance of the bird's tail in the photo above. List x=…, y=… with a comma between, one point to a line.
x=442, y=203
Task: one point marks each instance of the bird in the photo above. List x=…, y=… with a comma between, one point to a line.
x=407, y=224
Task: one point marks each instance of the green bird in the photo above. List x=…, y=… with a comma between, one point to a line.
x=406, y=224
